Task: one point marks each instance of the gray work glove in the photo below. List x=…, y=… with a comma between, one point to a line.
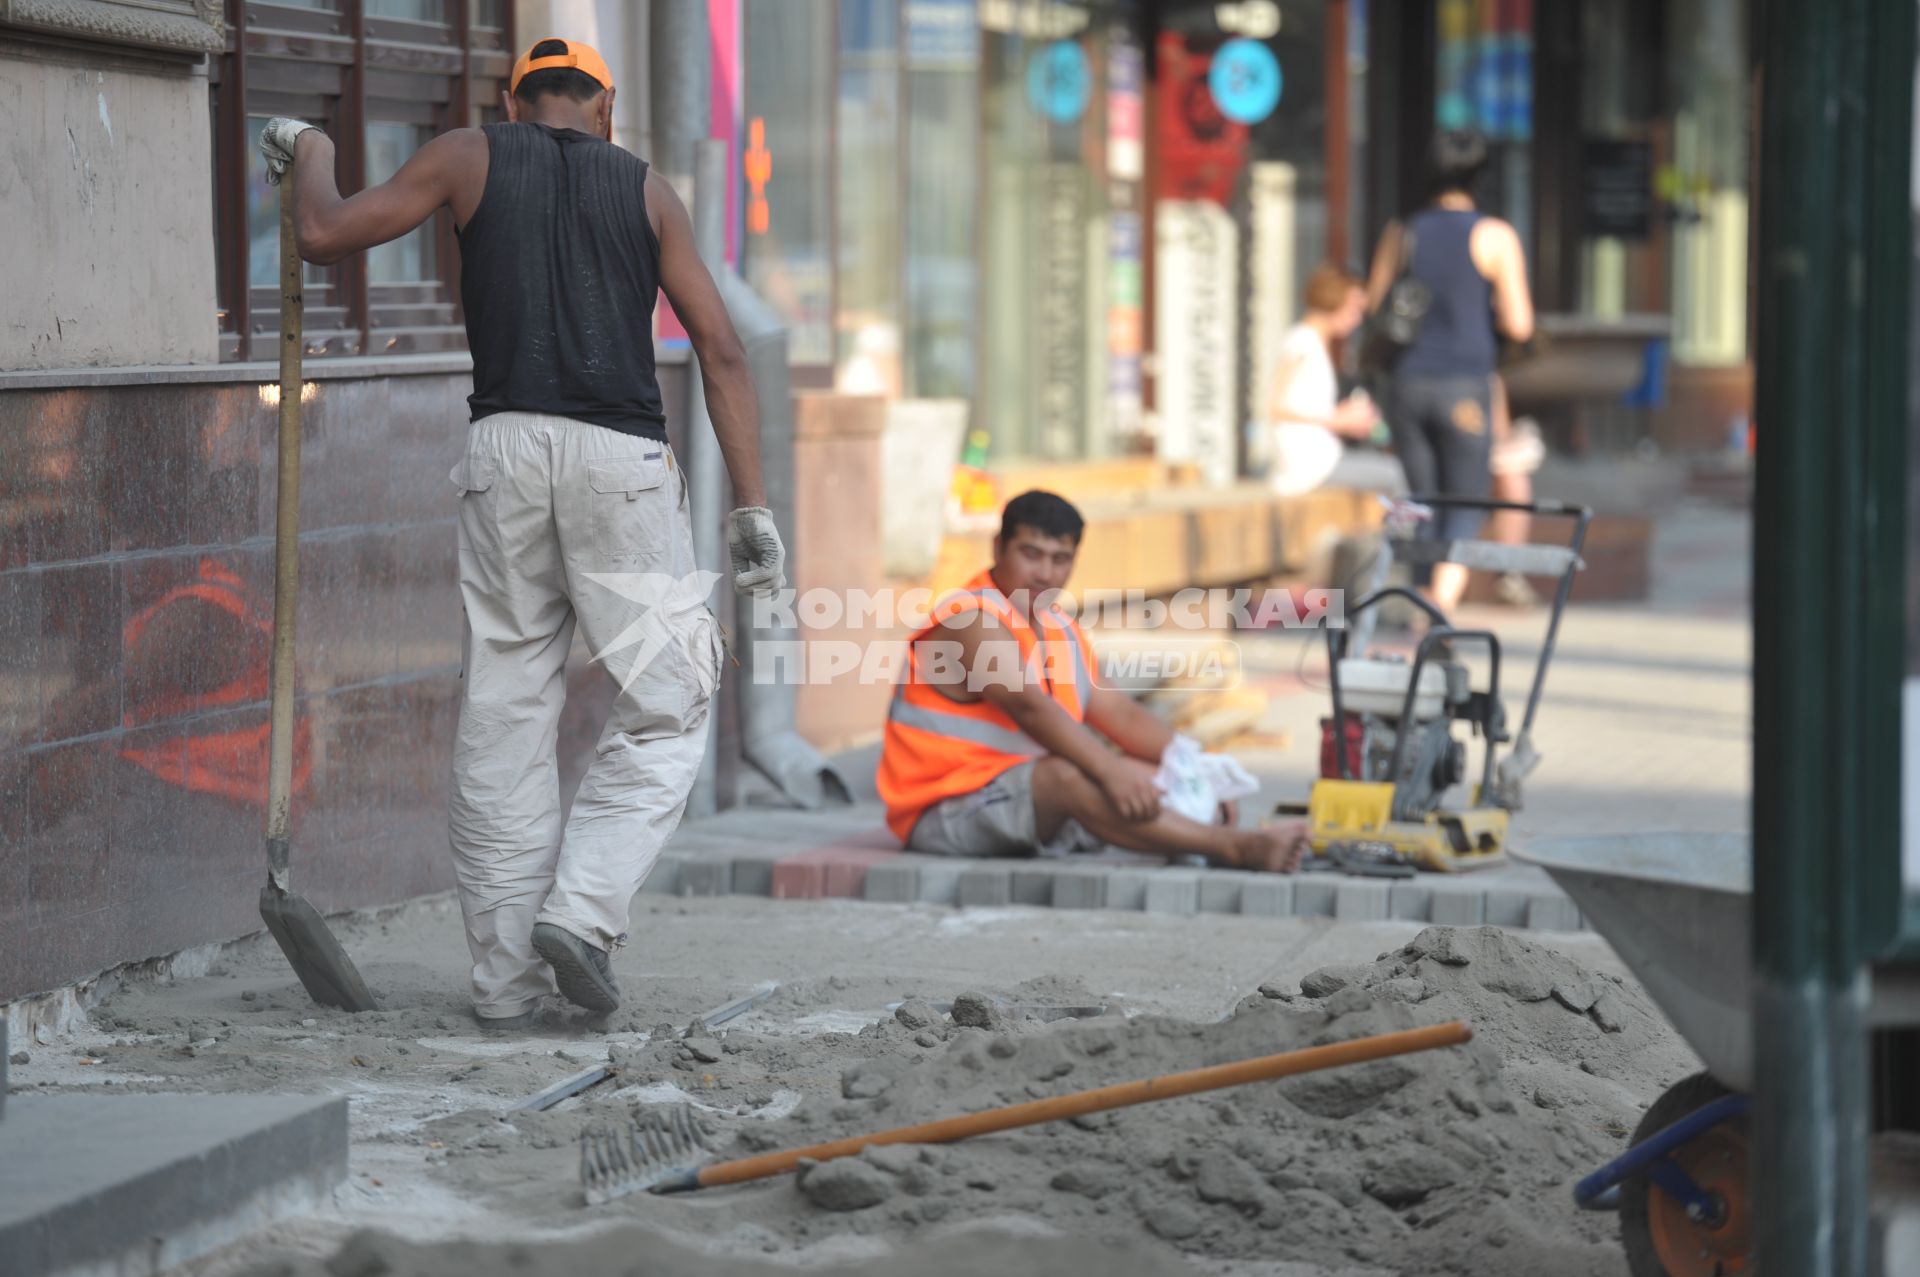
x=276, y=144
x=758, y=556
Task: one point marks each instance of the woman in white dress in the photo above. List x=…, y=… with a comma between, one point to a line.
x=1307, y=417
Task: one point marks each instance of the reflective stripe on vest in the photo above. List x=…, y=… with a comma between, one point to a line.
x=960, y=727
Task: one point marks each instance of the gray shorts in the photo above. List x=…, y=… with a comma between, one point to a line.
x=996, y=820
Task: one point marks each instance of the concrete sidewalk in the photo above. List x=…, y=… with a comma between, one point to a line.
x=1644, y=725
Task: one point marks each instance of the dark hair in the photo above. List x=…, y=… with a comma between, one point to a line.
x=1042, y=512
x=1456, y=161
x=564, y=82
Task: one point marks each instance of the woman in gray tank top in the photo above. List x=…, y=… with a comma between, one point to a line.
x=1439, y=396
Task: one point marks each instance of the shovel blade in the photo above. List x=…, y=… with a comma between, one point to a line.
x=316, y=957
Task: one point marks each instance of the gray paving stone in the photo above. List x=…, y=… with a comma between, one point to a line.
x=1081, y=887
x=1362, y=900
x=894, y=882
x=1033, y=884
x=1552, y=913
x=1174, y=890
x=141, y=1183
x=940, y=880
x=1411, y=901
x=664, y=877
x=706, y=875
x=1314, y=894
x=753, y=870
x=1506, y=907
x=1221, y=889
x=985, y=885
x=1457, y=903
x=1127, y=888
x=1267, y=896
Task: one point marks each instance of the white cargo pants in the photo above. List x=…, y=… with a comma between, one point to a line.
x=562, y=522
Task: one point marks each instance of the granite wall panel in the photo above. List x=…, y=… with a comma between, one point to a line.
x=136, y=588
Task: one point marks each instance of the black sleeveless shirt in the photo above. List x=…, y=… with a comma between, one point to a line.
x=559, y=270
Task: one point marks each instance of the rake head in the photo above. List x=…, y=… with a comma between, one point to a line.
x=660, y=1152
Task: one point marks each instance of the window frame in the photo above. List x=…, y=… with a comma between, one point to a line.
x=342, y=68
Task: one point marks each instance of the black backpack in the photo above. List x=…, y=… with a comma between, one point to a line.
x=1393, y=328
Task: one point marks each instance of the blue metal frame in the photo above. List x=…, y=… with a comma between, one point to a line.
x=1601, y=1190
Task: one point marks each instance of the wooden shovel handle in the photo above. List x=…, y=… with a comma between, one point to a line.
x=286, y=548
x=1120, y=1095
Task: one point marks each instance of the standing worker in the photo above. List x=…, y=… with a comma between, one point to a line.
x=1440, y=399
x=572, y=507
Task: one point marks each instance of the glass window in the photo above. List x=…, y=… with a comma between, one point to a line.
x=263, y=217
x=1666, y=142
x=412, y=10
x=868, y=320
x=787, y=162
x=301, y=59
x=1483, y=80
x=1062, y=144
x=1706, y=180
x=943, y=138
x=409, y=259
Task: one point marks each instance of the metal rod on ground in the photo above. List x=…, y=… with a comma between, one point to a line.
x=705, y=489
x=565, y=1088
x=739, y=1006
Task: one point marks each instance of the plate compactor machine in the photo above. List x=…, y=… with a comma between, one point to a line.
x=1389, y=756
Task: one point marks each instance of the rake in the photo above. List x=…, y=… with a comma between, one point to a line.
x=663, y=1152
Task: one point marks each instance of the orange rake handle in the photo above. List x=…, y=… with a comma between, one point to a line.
x=1122, y=1094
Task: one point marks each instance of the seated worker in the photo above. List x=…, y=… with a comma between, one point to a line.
x=999, y=743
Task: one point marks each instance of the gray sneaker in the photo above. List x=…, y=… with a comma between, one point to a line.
x=582, y=970
x=522, y=1023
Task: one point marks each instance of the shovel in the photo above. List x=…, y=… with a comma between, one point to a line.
x=666, y=1152
x=316, y=957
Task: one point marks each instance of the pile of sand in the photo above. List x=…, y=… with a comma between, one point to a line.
x=1453, y=1161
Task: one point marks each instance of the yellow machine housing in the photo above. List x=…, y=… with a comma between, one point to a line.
x=1360, y=811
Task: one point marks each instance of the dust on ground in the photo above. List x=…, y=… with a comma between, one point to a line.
x=1447, y=1162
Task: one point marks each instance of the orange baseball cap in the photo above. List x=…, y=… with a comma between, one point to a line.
x=578, y=57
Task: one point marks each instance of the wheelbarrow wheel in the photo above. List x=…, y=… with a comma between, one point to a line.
x=1660, y=1239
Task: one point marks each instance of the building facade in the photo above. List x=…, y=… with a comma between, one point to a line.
x=1085, y=224
x=1091, y=220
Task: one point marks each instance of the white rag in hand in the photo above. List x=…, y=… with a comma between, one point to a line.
x=758, y=557
x=1194, y=783
x=276, y=145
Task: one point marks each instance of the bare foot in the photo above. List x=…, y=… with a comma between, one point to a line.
x=1273, y=849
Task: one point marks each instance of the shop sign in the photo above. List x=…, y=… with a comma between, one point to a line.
x=1254, y=19
x=1617, y=188
x=1034, y=21
x=757, y=164
x=1196, y=343
x=1063, y=310
x=1201, y=152
x=1126, y=112
x=1126, y=336
x=1245, y=80
x=941, y=33
x=1059, y=81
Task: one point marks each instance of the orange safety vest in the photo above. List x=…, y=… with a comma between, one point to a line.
x=935, y=747
x=230, y=763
